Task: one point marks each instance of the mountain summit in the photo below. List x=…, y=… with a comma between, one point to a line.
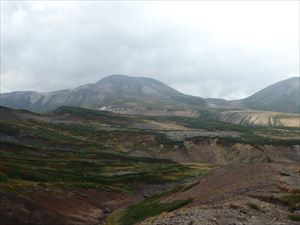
x=115, y=92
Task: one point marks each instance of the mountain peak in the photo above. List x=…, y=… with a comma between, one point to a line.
x=116, y=76
x=120, y=92
x=121, y=77
x=283, y=96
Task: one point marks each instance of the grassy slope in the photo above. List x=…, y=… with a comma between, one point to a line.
x=79, y=155
x=249, y=134
x=148, y=208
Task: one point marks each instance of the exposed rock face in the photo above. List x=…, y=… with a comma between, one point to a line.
x=113, y=92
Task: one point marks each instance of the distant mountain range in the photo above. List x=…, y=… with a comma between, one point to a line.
x=137, y=94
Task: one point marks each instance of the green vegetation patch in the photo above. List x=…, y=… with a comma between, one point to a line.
x=3, y=177
x=87, y=168
x=189, y=186
x=293, y=201
x=293, y=198
x=148, y=208
x=294, y=217
x=249, y=134
x=253, y=206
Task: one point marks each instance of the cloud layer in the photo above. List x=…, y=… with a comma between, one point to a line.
x=226, y=49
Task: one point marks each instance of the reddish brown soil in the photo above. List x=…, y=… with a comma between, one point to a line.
x=54, y=206
x=231, y=181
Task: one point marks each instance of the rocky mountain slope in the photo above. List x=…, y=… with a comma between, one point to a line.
x=113, y=93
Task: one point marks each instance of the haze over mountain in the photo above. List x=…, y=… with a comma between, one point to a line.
x=115, y=91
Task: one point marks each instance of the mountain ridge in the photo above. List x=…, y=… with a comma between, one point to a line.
x=137, y=95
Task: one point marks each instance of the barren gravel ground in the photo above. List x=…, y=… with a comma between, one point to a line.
x=270, y=215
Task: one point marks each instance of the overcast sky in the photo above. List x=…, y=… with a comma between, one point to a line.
x=226, y=49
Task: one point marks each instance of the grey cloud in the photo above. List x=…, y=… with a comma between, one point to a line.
x=63, y=45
